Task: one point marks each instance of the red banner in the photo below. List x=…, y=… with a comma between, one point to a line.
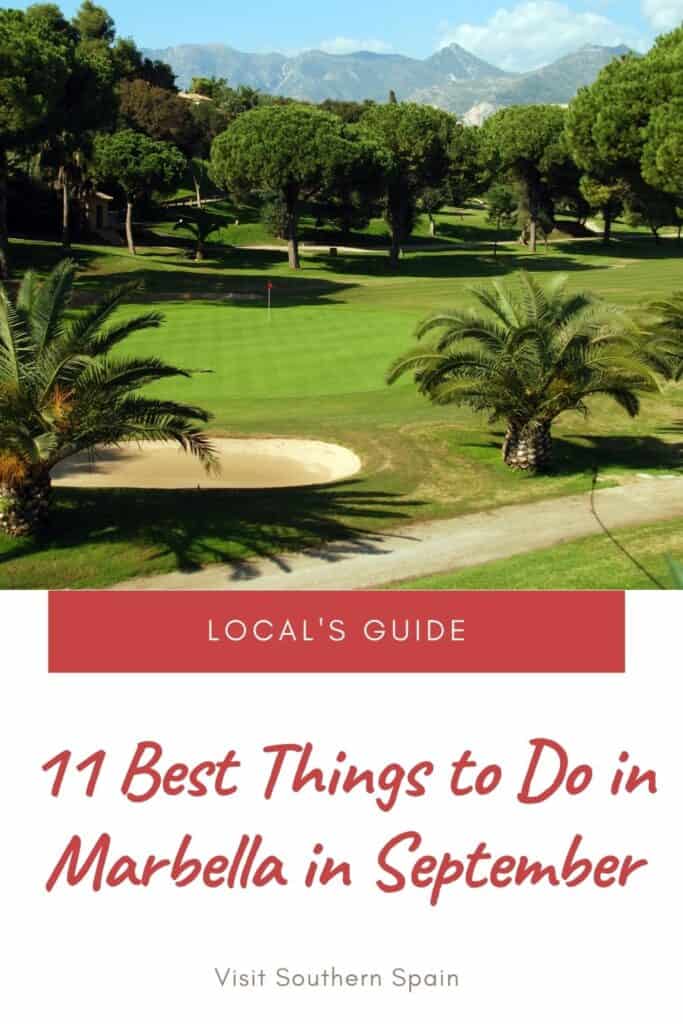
x=360, y=631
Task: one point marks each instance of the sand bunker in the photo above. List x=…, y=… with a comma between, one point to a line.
x=244, y=463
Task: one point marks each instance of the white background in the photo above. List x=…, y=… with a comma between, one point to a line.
x=522, y=954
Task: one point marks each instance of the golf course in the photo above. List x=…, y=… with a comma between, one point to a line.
x=314, y=368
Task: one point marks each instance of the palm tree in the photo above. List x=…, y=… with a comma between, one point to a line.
x=662, y=336
x=62, y=392
x=530, y=354
x=200, y=225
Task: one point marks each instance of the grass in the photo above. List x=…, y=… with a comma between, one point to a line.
x=317, y=370
x=593, y=563
x=100, y=538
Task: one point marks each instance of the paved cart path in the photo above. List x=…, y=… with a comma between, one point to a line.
x=434, y=547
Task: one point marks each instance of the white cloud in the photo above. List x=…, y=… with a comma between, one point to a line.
x=532, y=34
x=341, y=44
x=663, y=14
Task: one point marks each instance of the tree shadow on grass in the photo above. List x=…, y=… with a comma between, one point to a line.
x=179, y=253
x=200, y=527
x=27, y=254
x=627, y=246
x=583, y=453
x=674, y=428
x=448, y=264
x=178, y=285
x=475, y=233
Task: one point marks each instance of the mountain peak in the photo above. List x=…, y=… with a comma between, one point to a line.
x=457, y=63
x=619, y=48
x=452, y=78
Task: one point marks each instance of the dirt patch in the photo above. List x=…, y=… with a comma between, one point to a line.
x=244, y=463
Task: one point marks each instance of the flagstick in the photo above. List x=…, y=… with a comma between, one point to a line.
x=270, y=289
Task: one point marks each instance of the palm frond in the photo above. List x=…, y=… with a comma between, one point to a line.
x=149, y=409
x=507, y=298
x=416, y=359
x=497, y=302
x=577, y=305
x=15, y=341
x=100, y=344
x=463, y=365
x=86, y=324
x=625, y=398
x=535, y=301
x=49, y=306
x=460, y=392
x=445, y=318
x=468, y=326
x=669, y=312
x=61, y=389
x=109, y=376
x=28, y=291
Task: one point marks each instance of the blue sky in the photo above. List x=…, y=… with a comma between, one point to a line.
x=515, y=35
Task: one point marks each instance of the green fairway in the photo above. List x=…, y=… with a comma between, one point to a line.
x=316, y=369
x=594, y=563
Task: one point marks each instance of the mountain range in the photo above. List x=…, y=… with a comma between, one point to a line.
x=452, y=78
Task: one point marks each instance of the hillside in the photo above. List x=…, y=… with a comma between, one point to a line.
x=452, y=78
x=315, y=75
x=555, y=83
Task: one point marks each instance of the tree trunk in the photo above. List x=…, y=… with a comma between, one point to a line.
x=528, y=446
x=395, y=248
x=607, y=232
x=293, y=252
x=4, y=236
x=199, y=254
x=129, y=228
x=532, y=234
x=25, y=507
x=81, y=196
x=432, y=226
x=197, y=191
x=66, y=209
x=495, y=239
x=292, y=201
